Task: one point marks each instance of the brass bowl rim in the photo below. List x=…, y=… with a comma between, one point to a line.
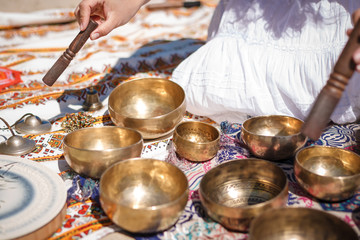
x=152, y=208
x=324, y=176
x=268, y=116
x=141, y=141
x=322, y=213
x=198, y=143
x=248, y=207
x=148, y=118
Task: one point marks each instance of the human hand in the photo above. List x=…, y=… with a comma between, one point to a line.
x=109, y=14
x=356, y=55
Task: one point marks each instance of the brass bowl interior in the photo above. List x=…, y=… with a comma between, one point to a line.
x=273, y=126
x=143, y=184
x=235, y=192
x=197, y=132
x=243, y=183
x=273, y=137
x=300, y=224
x=146, y=98
x=152, y=106
x=89, y=151
x=328, y=173
x=102, y=138
x=247, y=192
x=143, y=195
x=329, y=161
x=196, y=141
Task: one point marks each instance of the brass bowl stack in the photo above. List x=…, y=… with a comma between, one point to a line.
x=300, y=224
x=143, y=195
x=273, y=137
x=328, y=173
x=235, y=192
x=196, y=141
x=89, y=151
x=152, y=106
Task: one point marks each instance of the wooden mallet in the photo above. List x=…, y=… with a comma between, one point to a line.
x=64, y=60
x=329, y=96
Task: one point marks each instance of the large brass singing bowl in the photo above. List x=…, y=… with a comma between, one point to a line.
x=300, y=224
x=143, y=195
x=196, y=141
x=273, y=137
x=89, y=151
x=237, y=191
x=153, y=106
x=328, y=173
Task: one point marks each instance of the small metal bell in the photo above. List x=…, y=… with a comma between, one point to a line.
x=16, y=145
x=33, y=125
x=92, y=101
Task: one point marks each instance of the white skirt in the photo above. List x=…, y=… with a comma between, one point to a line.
x=267, y=57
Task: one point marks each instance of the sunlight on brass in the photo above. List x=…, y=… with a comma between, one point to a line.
x=143, y=195
x=92, y=100
x=152, y=106
x=300, y=224
x=328, y=173
x=16, y=145
x=273, y=137
x=237, y=191
x=33, y=125
x=196, y=141
x=89, y=151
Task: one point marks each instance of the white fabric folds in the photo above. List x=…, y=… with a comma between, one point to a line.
x=268, y=57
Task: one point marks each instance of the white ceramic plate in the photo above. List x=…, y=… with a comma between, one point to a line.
x=31, y=196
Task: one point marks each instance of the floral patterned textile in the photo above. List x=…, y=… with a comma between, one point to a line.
x=151, y=45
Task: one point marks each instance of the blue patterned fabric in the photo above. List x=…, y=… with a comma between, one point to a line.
x=194, y=222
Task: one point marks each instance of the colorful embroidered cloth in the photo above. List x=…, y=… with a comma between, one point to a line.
x=152, y=44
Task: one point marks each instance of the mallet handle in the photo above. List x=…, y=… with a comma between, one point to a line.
x=64, y=60
x=331, y=93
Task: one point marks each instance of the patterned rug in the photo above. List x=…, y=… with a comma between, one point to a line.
x=151, y=45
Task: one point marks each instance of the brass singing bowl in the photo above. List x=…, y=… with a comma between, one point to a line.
x=152, y=106
x=196, y=141
x=300, y=224
x=89, y=151
x=235, y=192
x=273, y=137
x=143, y=195
x=328, y=173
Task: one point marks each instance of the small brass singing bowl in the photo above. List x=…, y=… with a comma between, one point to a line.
x=152, y=106
x=143, y=195
x=300, y=224
x=328, y=173
x=235, y=192
x=196, y=141
x=89, y=151
x=273, y=137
